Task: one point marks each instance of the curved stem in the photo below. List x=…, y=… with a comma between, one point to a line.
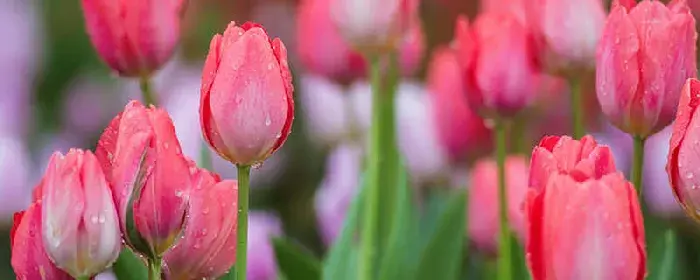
x=242, y=235
x=147, y=92
x=154, y=266
x=504, y=247
x=638, y=164
x=576, y=111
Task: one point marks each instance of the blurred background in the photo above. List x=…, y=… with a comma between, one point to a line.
x=55, y=93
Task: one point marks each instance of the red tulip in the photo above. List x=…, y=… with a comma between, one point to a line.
x=461, y=131
x=133, y=37
x=208, y=245
x=143, y=156
x=585, y=228
x=644, y=57
x=246, y=108
x=682, y=156
x=483, y=200
x=500, y=63
x=29, y=258
x=79, y=220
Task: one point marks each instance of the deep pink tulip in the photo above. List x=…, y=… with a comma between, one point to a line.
x=29, y=258
x=79, y=221
x=208, y=245
x=483, y=200
x=141, y=152
x=461, y=131
x=643, y=59
x=500, y=63
x=682, y=156
x=134, y=37
x=246, y=107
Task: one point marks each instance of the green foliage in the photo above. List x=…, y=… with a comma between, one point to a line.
x=295, y=262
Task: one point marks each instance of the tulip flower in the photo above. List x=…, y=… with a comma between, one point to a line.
x=145, y=166
x=246, y=108
x=495, y=40
x=135, y=38
x=483, y=200
x=29, y=258
x=682, y=156
x=461, y=131
x=585, y=228
x=644, y=57
x=80, y=226
x=208, y=245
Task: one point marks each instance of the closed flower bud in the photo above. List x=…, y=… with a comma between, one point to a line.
x=134, y=38
x=644, y=57
x=147, y=168
x=246, y=107
x=29, y=258
x=208, y=245
x=79, y=220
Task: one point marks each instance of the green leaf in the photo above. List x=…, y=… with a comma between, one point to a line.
x=520, y=270
x=441, y=258
x=341, y=260
x=295, y=262
x=397, y=252
x=132, y=236
x=129, y=266
x=663, y=258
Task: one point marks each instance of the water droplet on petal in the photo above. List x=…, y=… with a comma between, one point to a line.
x=268, y=121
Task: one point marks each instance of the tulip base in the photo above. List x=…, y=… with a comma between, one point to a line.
x=242, y=232
x=154, y=268
x=504, y=247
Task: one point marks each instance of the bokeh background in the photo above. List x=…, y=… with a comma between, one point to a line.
x=55, y=94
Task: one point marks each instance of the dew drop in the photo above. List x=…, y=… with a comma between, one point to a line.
x=270, y=66
x=689, y=175
x=205, y=210
x=101, y=219
x=268, y=121
x=93, y=219
x=178, y=193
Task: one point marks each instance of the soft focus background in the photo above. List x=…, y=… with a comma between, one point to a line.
x=56, y=94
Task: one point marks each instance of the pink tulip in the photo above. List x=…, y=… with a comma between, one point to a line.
x=483, y=200
x=246, y=107
x=79, y=221
x=643, y=59
x=140, y=152
x=134, y=37
x=461, y=131
x=208, y=245
x=29, y=258
x=500, y=63
x=682, y=156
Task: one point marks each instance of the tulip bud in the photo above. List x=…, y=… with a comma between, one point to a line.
x=371, y=25
x=150, y=177
x=682, y=156
x=643, y=59
x=483, y=200
x=461, y=131
x=79, y=220
x=29, y=258
x=585, y=228
x=208, y=246
x=494, y=41
x=134, y=38
x=246, y=108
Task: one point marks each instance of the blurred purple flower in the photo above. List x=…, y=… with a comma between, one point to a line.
x=261, y=259
x=325, y=109
x=15, y=185
x=620, y=143
x=657, y=191
x=337, y=189
x=90, y=105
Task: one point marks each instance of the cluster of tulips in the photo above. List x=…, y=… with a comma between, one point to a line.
x=576, y=213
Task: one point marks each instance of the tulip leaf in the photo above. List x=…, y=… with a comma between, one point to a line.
x=294, y=262
x=129, y=266
x=442, y=256
x=132, y=235
x=397, y=253
x=341, y=260
x=517, y=258
x=663, y=258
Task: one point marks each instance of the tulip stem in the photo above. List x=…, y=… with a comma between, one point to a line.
x=242, y=234
x=147, y=91
x=504, y=247
x=637, y=164
x=576, y=110
x=154, y=266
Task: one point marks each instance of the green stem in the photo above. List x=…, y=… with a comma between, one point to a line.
x=576, y=108
x=154, y=266
x=638, y=164
x=504, y=247
x=147, y=91
x=83, y=278
x=242, y=248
